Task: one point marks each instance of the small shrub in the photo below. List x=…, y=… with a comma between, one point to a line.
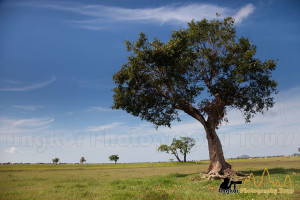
x=155, y=194
x=84, y=194
x=115, y=182
x=79, y=185
x=58, y=186
x=121, y=187
x=177, y=175
x=123, y=194
x=195, y=178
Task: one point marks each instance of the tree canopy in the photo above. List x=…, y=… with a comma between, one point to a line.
x=206, y=66
x=55, y=160
x=187, y=143
x=183, y=145
x=82, y=160
x=114, y=158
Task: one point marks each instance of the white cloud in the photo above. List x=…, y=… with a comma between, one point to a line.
x=100, y=109
x=244, y=13
x=8, y=81
x=101, y=17
x=11, y=150
x=14, y=87
x=27, y=108
x=103, y=127
x=282, y=118
x=285, y=112
x=28, y=125
x=273, y=133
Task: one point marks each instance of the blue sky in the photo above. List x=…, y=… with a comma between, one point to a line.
x=57, y=59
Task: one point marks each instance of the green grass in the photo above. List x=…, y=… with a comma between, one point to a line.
x=138, y=180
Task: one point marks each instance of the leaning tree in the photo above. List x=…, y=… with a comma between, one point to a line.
x=173, y=148
x=203, y=70
x=184, y=145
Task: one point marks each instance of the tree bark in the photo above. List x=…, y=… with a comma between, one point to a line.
x=177, y=158
x=174, y=152
x=217, y=165
x=184, y=158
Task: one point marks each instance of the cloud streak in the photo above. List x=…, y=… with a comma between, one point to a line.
x=21, y=88
x=99, y=109
x=100, y=16
x=103, y=127
x=27, y=125
x=28, y=108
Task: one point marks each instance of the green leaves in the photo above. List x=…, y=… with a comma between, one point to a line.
x=55, y=160
x=82, y=160
x=205, y=66
x=184, y=145
x=113, y=158
x=164, y=148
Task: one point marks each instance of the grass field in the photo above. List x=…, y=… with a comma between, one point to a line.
x=139, y=181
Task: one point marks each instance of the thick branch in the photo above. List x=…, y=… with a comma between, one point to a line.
x=192, y=111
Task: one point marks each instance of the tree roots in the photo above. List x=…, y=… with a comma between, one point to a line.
x=226, y=173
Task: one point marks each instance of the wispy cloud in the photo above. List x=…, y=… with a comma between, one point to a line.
x=244, y=13
x=101, y=17
x=27, y=125
x=103, y=127
x=16, y=86
x=8, y=81
x=27, y=108
x=99, y=109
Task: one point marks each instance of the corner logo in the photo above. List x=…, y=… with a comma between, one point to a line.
x=276, y=187
x=225, y=188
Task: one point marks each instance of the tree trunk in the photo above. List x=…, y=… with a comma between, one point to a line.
x=174, y=152
x=184, y=158
x=218, y=165
x=177, y=158
x=115, y=162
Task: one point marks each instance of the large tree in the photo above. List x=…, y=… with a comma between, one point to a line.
x=203, y=70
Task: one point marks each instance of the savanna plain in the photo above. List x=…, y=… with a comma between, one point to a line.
x=169, y=180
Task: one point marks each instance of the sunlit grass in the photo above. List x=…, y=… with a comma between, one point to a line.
x=137, y=180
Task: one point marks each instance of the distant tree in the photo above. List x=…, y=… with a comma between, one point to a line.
x=187, y=143
x=171, y=159
x=170, y=149
x=82, y=160
x=55, y=160
x=184, y=145
x=203, y=70
x=114, y=158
